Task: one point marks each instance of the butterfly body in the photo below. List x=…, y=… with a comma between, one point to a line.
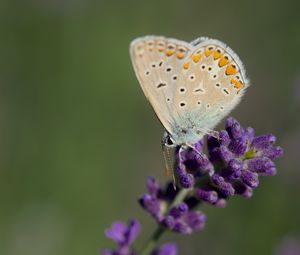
x=191, y=86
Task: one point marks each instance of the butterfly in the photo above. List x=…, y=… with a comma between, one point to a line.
x=191, y=86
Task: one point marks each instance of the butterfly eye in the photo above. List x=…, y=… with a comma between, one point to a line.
x=168, y=141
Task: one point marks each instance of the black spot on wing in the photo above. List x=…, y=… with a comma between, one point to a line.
x=161, y=85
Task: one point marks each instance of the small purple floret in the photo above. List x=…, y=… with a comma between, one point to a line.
x=166, y=249
x=124, y=236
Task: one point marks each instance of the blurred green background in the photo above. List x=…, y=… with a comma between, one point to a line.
x=78, y=139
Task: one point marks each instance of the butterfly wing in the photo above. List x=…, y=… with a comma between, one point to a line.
x=157, y=62
x=210, y=84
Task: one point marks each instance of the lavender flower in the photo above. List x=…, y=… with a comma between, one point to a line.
x=124, y=236
x=233, y=164
x=178, y=217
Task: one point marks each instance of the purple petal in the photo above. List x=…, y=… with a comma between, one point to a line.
x=243, y=190
x=260, y=142
x=182, y=228
x=178, y=210
x=224, y=138
x=225, y=153
x=117, y=232
x=167, y=249
x=239, y=146
x=181, y=169
x=250, y=134
x=209, y=196
x=134, y=229
x=199, y=145
x=224, y=187
x=272, y=152
x=261, y=165
x=152, y=186
x=220, y=203
x=196, y=220
x=186, y=180
x=250, y=178
x=212, y=143
x=107, y=252
x=151, y=204
x=234, y=128
x=233, y=170
x=168, y=222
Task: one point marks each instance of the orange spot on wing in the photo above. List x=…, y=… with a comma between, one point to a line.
x=223, y=61
x=217, y=55
x=196, y=58
x=186, y=65
x=180, y=55
x=208, y=52
x=169, y=53
x=230, y=70
x=237, y=84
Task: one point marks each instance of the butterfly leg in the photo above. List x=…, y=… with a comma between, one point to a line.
x=210, y=132
x=201, y=154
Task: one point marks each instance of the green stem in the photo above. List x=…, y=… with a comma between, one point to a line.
x=151, y=244
x=153, y=240
x=180, y=196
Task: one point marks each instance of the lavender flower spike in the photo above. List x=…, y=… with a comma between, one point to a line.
x=236, y=161
x=233, y=165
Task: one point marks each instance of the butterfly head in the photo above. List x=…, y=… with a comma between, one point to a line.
x=168, y=141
